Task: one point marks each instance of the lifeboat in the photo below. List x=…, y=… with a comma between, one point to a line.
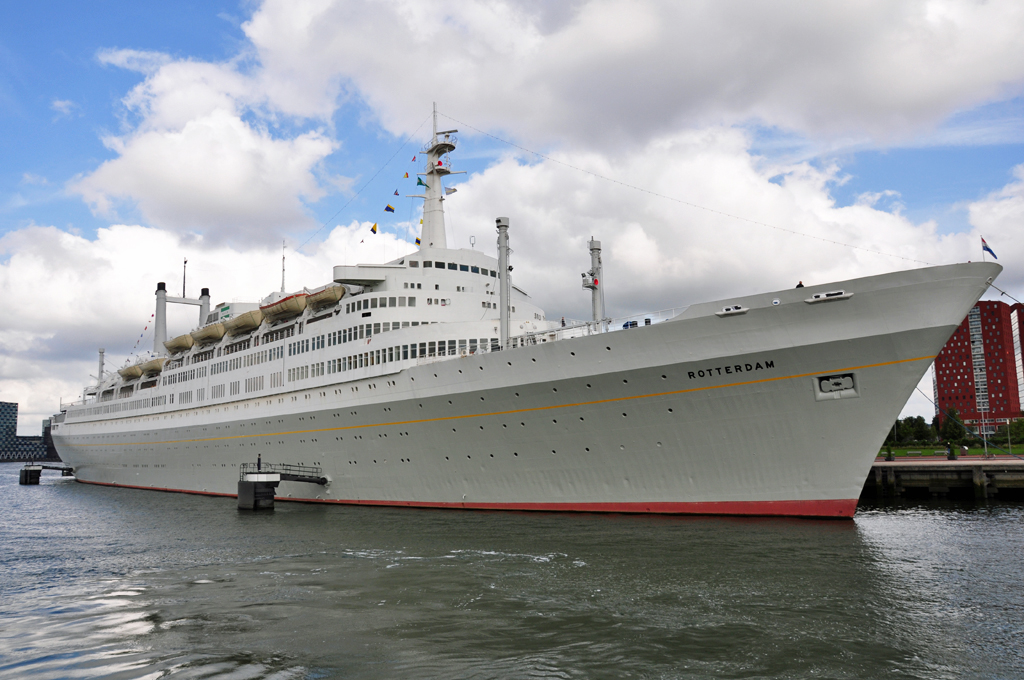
x=208, y=334
x=153, y=365
x=179, y=344
x=244, y=323
x=129, y=372
x=293, y=305
x=326, y=297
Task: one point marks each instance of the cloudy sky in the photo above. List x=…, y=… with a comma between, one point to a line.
x=745, y=140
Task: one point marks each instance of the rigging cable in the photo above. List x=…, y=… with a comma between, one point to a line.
x=367, y=183
x=686, y=203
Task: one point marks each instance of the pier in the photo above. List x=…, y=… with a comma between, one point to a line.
x=258, y=482
x=32, y=471
x=1001, y=477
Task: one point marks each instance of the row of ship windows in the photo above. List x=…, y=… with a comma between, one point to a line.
x=453, y=266
x=249, y=385
x=367, y=330
x=380, y=303
x=388, y=354
x=437, y=348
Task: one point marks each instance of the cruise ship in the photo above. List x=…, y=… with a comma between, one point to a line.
x=434, y=381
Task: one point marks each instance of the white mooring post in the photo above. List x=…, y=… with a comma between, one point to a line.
x=504, y=299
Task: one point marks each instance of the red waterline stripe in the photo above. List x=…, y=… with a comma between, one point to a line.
x=843, y=508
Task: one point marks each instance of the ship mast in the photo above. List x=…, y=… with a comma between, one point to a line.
x=438, y=166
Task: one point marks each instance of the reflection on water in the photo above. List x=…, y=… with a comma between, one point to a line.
x=132, y=584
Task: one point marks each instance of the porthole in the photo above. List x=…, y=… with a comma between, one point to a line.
x=664, y=377
x=608, y=348
x=572, y=353
x=623, y=415
x=588, y=386
x=554, y=389
x=625, y=382
x=670, y=411
x=523, y=424
x=587, y=448
x=517, y=394
x=515, y=454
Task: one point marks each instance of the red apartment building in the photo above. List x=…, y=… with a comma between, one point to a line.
x=979, y=371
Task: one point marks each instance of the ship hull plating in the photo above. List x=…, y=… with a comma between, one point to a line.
x=701, y=414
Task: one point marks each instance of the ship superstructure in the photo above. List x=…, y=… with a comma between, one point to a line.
x=433, y=381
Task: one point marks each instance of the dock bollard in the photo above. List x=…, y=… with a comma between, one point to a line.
x=256, y=490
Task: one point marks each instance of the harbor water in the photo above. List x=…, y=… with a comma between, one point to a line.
x=120, y=583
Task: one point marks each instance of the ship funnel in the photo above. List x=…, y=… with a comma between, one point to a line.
x=503, y=275
x=160, y=320
x=204, y=307
x=99, y=374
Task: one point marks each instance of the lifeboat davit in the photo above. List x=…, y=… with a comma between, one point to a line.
x=293, y=305
x=153, y=365
x=244, y=323
x=179, y=344
x=208, y=334
x=326, y=297
x=129, y=372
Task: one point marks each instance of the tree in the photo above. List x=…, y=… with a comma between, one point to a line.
x=952, y=429
x=919, y=429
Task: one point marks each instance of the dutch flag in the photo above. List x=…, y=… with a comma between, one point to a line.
x=984, y=246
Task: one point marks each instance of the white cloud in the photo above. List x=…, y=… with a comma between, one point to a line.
x=998, y=217
x=217, y=176
x=63, y=106
x=32, y=178
x=201, y=151
x=195, y=158
x=661, y=253
x=601, y=72
x=142, y=61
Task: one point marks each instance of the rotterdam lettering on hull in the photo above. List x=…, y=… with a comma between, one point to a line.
x=733, y=368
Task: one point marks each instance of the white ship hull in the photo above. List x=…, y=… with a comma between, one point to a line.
x=700, y=414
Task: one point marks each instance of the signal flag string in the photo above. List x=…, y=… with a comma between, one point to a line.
x=367, y=183
x=686, y=203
